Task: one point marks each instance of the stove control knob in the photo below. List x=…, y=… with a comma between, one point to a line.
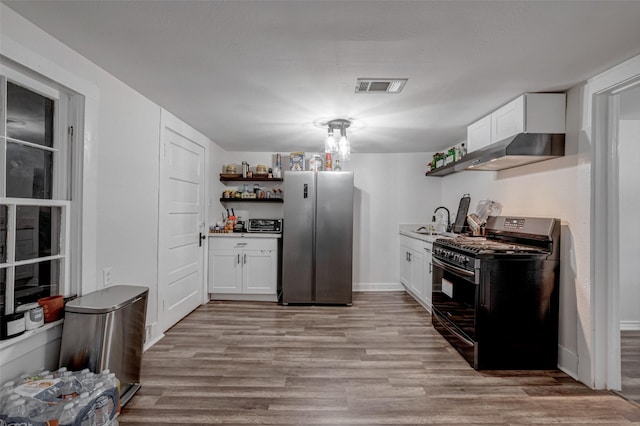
x=464, y=259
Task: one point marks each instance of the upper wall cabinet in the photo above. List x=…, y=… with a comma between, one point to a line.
x=479, y=134
x=529, y=113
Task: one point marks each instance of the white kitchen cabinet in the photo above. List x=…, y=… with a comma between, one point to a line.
x=411, y=265
x=479, y=134
x=243, y=266
x=529, y=113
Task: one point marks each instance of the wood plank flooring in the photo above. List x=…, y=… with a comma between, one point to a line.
x=630, y=364
x=378, y=362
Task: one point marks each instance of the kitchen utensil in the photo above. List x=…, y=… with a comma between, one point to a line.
x=488, y=208
x=461, y=216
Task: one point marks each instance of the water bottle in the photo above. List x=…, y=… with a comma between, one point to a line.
x=6, y=390
x=18, y=412
x=108, y=401
x=70, y=386
x=68, y=415
x=6, y=402
x=86, y=410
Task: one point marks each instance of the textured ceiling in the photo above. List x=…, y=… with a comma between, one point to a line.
x=257, y=75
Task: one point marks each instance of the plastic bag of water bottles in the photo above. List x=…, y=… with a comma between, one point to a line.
x=62, y=397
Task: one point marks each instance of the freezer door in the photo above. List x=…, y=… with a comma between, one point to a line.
x=297, y=237
x=334, y=237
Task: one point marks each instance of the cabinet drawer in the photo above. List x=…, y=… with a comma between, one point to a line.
x=226, y=243
x=412, y=243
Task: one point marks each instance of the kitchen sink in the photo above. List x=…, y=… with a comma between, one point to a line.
x=423, y=231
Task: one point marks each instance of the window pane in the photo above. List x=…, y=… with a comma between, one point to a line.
x=29, y=172
x=3, y=289
x=3, y=234
x=37, y=232
x=36, y=281
x=29, y=116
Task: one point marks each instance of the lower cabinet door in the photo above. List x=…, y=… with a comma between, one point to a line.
x=405, y=267
x=259, y=275
x=225, y=271
x=417, y=283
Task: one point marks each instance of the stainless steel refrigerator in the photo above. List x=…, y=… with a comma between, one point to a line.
x=317, y=238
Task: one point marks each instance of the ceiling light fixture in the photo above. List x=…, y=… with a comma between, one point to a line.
x=343, y=146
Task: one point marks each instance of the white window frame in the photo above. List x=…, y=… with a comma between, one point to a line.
x=61, y=191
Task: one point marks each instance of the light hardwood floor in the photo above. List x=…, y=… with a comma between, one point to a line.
x=379, y=362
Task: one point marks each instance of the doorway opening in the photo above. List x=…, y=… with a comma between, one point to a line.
x=626, y=122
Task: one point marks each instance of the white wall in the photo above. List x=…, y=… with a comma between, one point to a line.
x=124, y=139
x=629, y=180
x=557, y=188
x=128, y=167
x=390, y=189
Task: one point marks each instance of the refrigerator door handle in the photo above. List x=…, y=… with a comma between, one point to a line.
x=306, y=191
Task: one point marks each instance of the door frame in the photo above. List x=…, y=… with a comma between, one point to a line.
x=601, y=99
x=172, y=122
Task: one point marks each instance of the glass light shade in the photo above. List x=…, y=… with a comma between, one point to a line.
x=344, y=149
x=330, y=144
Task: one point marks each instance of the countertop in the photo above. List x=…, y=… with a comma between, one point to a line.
x=409, y=231
x=244, y=235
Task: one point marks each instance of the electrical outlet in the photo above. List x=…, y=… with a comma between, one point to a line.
x=106, y=277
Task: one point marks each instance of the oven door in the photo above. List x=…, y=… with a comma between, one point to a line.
x=454, y=297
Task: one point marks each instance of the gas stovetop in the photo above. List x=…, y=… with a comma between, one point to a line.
x=482, y=245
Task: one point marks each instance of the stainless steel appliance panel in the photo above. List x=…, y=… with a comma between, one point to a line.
x=105, y=329
x=298, y=237
x=334, y=237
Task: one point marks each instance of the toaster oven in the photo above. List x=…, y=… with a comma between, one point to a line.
x=272, y=226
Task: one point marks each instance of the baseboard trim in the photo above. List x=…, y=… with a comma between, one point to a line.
x=377, y=287
x=152, y=342
x=244, y=297
x=568, y=362
x=629, y=325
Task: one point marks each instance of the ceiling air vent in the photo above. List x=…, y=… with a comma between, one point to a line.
x=380, y=85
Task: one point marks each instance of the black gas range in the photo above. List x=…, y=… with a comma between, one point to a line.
x=495, y=298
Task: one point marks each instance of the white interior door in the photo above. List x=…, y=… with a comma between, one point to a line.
x=182, y=212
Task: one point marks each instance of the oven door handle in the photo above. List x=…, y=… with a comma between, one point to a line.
x=452, y=269
x=452, y=330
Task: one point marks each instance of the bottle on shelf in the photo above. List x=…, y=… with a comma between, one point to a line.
x=337, y=167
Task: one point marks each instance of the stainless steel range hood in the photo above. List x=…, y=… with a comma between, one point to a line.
x=523, y=148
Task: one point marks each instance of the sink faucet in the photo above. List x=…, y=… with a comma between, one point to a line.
x=448, y=216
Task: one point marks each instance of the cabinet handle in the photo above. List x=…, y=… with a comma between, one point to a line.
x=244, y=261
x=238, y=258
x=409, y=256
x=430, y=266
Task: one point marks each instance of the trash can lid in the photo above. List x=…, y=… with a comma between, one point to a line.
x=106, y=300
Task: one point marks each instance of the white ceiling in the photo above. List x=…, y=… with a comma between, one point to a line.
x=257, y=75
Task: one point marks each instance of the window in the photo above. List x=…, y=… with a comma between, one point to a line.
x=34, y=190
